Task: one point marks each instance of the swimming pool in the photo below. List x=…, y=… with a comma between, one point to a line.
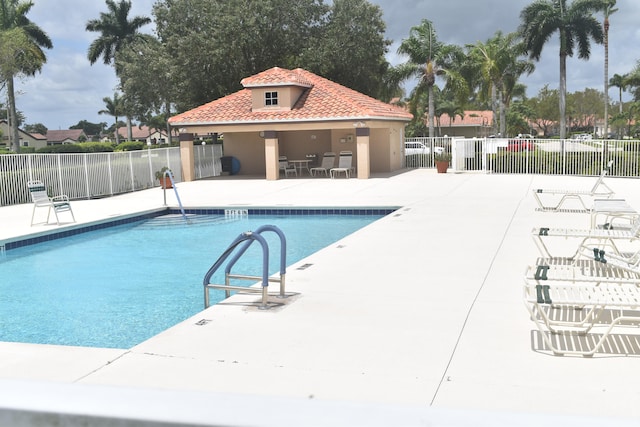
x=120, y=285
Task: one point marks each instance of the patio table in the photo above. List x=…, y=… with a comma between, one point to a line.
x=300, y=165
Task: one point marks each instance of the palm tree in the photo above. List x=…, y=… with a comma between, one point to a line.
x=428, y=59
x=575, y=25
x=113, y=107
x=608, y=11
x=499, y=66
x=22, y=43
x=451, y=108
x=621, y=83
x=116, y=33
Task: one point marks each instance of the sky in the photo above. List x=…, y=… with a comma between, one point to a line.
x=69, y=89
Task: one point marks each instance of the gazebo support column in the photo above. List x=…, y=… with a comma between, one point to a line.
x=271, y=155
x=187, y=157
x=362, y=147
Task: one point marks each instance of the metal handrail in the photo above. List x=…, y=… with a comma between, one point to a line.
x=168, y=174
x=248, y=237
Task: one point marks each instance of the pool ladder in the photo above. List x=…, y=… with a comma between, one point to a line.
x=242, y=243
x=168, y=173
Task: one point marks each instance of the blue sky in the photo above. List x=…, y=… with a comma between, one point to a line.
x=69, y=89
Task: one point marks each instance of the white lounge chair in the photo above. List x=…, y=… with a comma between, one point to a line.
x=567, y=298
x=41, y=199
x=608, y=236
x=286, y=167
x=328, y=160
x=554, y=200
x=344, y=165
x=565, y=314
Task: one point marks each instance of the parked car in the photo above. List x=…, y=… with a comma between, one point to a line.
x=583, y=137
x=521, y=144
x=420, y=148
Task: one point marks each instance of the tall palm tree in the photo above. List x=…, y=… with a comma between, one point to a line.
x=116, y=33
x=113, y=107
x=22, y=44
x=575, y=24
x=608, y=11
x=428, y=59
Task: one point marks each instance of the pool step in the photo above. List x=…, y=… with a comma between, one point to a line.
x=177, y=220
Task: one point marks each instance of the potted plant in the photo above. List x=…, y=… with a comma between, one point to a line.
x=165, y=181
x=442, y=161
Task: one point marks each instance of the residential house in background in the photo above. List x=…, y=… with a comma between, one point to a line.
x=34, y=140
x=144, y=134
x=66, y=136
x=472, y=124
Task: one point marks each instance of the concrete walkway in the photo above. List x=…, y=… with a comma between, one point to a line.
x=421, y=308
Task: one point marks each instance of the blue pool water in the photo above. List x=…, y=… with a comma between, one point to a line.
x=118, y=286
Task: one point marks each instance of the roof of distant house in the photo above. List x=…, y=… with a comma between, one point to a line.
x=64, y=135
x=139, y=132
x=321, y=100
x=470, y=118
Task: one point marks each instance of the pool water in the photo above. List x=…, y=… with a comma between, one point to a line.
x=119, y=286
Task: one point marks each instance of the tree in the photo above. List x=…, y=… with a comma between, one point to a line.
x=21, y=44
x=36, y=128
x=608, y=10
x=498, y=63
x=90, y=128
x=544, y=109
x=575, y=25
x=113, y=107
x=583, y=107
x=428, y=59
x=351, y=48
x=147, y=71
x=449, y=106
x=117, y=32
x=619, y=81
x=213, y=44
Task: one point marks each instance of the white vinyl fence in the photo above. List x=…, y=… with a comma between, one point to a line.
x=95, y=175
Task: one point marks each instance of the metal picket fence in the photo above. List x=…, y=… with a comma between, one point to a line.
x=95, y=175
x=533, y=156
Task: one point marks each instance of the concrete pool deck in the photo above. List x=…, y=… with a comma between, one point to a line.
x=422, y=308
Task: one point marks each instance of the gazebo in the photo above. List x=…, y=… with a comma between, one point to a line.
x=300, y=115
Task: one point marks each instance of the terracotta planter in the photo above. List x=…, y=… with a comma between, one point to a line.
x=165, y=182
x=442, y=166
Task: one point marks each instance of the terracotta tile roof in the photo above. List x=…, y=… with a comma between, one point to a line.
x=276, y=77
x=471, y=118
x=323, y=100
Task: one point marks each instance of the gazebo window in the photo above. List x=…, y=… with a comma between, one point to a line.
x=270, y=98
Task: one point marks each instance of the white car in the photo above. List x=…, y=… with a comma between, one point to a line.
x=419, y=148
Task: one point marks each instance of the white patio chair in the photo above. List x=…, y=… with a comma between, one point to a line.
x=328, y=160
x=344, y=165
x=41, y=199
x=286, y=167
x=554, y=200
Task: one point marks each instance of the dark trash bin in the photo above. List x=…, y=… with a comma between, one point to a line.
x=230, y=165
x=227, y=163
